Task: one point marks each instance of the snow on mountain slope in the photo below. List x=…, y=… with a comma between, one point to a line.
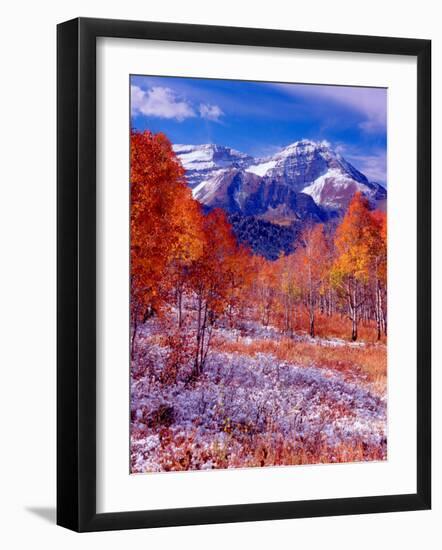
x=202, y=161
x=207, y=190
x=262, y=168
x=334, y=189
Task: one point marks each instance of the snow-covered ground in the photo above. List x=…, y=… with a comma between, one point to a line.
x=251, y=410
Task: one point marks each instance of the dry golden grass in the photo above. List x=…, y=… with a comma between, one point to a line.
x=369, y=360
x=337, y=326
x=283, y=453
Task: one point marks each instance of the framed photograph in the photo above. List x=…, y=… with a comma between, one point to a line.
x=243, y=274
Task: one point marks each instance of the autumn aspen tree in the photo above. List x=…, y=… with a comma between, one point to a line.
x=355, y=244
x=312, y=255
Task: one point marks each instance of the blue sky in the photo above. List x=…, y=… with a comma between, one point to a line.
x=260, y=118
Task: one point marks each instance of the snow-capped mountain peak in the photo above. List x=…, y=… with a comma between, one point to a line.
x=200, y=161
x=303, y=147
x=236, y=181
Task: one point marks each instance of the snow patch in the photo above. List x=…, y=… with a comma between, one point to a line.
x=261, y=169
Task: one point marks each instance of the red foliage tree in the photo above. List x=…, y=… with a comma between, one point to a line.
x=165, y=223
x=215, y=278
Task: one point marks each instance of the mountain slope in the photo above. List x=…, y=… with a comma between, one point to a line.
x=239, y=191
x=202, y=161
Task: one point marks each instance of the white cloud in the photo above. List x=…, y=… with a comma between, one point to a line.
x=373, y=166
x=210, y=112
x=159, y=102
x=372, y=125
x=371, y=103
x=163, y=102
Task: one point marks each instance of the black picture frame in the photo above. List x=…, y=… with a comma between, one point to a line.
x=77, y=286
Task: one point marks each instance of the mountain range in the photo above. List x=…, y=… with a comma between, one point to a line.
x=270, y=199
